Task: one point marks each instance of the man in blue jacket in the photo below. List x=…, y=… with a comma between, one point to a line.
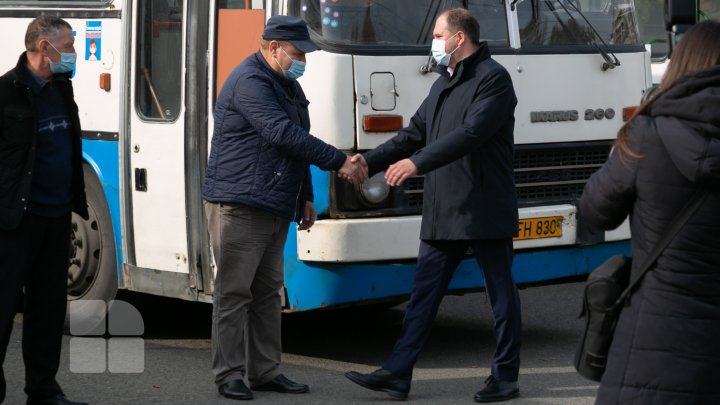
x=257, y=182
x=461, y=139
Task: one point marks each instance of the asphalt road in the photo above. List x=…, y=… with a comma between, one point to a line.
x=320, y=346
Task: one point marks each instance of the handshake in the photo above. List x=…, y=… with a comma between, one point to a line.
x=355, y=170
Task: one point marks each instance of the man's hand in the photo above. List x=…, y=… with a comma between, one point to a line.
x=309, y=215
x=354, y=170
x=397, y=173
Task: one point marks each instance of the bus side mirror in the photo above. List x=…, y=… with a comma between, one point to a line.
x=680, y=15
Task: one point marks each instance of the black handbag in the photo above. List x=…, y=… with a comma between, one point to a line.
x=606, y=292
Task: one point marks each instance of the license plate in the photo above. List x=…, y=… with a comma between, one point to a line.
x=537, y=228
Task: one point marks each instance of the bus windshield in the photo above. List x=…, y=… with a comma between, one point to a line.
x=409, y=23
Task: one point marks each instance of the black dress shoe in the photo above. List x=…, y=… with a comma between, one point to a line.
x=235, y=389
x=496, y=390
x=284, y=385
x=56, y=400
x=382, y=380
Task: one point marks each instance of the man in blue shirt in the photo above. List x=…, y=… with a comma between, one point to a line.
x=40, y=184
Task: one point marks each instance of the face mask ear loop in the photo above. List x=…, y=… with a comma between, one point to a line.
x=56, y=50
x=283, y=49
x=277, y=61
x=456, y=48
x=53, y=47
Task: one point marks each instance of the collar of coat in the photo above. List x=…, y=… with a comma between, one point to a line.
x=20, y=71
x=481, y=54
x=289, y=85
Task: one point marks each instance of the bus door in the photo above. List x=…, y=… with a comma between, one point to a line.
x=156, y=157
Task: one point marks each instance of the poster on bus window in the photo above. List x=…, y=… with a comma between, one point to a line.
x=93, y=40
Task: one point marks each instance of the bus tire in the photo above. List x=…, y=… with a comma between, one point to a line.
x=92, y=271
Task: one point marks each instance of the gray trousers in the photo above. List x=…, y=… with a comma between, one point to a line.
x=248, y=247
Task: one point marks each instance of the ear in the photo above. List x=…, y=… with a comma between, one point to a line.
x=461, y=38
x=273, y=46
x=42, y=46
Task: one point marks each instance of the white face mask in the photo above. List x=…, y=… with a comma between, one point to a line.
x=438, y=51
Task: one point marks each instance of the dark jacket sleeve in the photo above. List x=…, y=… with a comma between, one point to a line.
x=609, y=195
x=309, y=194
x=256, y=100
x=403, y=145
x=491, y=107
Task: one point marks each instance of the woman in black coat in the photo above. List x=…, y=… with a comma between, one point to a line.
x=666, y=347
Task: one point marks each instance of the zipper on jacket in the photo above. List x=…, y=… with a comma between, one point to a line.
x=30, y=164
x=297, y=204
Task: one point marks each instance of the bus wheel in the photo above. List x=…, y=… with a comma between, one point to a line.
x=92, y=273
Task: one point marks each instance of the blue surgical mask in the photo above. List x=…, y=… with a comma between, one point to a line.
x=438, y=51
x=67, y=61
x=297, y=68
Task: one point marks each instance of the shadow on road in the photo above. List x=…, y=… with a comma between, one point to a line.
x=463, y=331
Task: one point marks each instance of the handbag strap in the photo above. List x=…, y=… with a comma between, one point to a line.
x=687, y=211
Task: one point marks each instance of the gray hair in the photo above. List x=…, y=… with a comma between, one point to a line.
x=44, y=27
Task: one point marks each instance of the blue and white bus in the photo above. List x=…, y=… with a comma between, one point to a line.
x=146, y=80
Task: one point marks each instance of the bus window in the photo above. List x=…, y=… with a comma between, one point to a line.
x=392, y=23
x=709, y=10
x=159, y=59
x=240, y=25
x=651, y=24
x=241, y=4
x=561, y=22
x=74, y=3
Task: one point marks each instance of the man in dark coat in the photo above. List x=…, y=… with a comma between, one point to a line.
x=665, y=349
x=41, y=182
x=257, y=181
x=461, y=139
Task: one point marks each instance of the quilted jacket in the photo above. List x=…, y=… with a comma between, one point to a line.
x=261, y=148
x=665, y=349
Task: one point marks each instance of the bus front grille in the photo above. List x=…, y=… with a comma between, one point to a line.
x=549, y=174
x=545, y=174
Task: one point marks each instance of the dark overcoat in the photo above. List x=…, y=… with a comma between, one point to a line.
x=461, y=139
x=666, y=347
x=18, y=137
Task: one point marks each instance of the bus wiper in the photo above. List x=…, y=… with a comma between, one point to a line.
x=429, y=66
x=610, y=63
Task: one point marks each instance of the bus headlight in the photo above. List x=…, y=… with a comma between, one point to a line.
x=375, y=190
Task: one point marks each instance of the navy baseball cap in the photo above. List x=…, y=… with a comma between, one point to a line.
x=291, y=29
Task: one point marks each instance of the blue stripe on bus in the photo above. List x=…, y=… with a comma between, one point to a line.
x=314, y=285
x=103, y=157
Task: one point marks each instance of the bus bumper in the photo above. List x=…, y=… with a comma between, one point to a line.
x=356, y=261
x=397, y=238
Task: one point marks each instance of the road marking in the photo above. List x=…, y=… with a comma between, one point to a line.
x=419, y=373
x=557, y=400
x=574, y=388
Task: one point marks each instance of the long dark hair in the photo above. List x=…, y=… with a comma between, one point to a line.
x=699, y=49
